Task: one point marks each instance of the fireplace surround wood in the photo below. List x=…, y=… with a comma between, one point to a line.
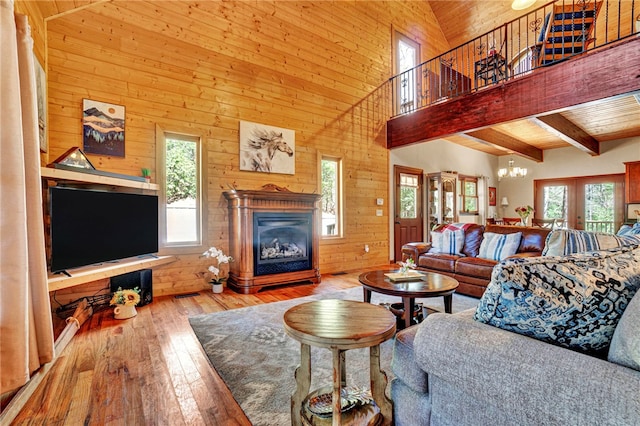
x=242, y=205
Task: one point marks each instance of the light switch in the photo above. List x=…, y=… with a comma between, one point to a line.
x=380, y=201
x=379, y=212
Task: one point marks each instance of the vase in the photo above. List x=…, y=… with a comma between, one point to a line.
x=217, y=287
x=124, y=311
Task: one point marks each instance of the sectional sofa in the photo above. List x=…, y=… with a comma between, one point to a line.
x=555, y=340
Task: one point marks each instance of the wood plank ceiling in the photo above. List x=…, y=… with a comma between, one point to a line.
x=460, y=21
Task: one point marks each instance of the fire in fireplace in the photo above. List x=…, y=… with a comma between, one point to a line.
x=282, y=242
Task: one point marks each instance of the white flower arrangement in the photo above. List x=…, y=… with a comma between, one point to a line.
x=214, y=270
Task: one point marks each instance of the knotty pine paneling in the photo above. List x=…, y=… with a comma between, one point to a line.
x=318, y=68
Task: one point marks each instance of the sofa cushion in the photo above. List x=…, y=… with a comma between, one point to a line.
x=568, y=241
x=625, y=344
x=438, y=261
x=403, y=363
x=572, y=301
x=475, y=267
x=499, y=246
x=447, y=241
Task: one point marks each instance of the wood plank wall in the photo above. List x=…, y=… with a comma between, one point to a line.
x=318, y=68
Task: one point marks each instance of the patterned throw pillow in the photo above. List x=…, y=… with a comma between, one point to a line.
x=447, y=242
x=499, y=246
x=572, y=301
x=569, y=241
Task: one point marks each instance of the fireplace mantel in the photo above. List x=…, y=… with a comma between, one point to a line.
x=242, y=205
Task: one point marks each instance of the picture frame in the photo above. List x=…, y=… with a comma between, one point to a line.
x=267, y=149
x=103, y=128
x=492, y=196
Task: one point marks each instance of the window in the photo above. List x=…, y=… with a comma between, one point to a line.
x=592, y=203
x=407, y=56
x=331, y=184
x=408, y=196
x=469, y=187
x=181, y=196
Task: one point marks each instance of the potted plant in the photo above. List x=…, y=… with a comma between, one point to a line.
x=216, y=276
x=146, y=173
x=125, y=302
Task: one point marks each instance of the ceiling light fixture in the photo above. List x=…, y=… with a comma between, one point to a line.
x=522, y=4
x=512, y=171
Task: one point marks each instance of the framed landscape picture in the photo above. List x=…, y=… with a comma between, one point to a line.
x=103, y=128
x=267, y=149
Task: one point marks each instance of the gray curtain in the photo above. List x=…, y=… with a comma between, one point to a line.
x=26, y=331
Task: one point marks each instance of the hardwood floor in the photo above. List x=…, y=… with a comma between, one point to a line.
x=151, y=369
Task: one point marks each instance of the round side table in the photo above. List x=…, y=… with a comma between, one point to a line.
x=339, y=325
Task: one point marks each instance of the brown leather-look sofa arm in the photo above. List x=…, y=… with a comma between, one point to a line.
x=414, y=250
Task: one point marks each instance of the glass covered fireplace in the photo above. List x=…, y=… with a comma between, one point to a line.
x=282, y=242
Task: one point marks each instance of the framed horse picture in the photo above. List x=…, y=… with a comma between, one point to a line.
x=267, y=149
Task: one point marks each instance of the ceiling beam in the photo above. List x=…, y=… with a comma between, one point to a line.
x=506, y=142
x=600, y=74
x=569, y=132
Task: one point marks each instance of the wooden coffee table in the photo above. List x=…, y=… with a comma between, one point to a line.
x=430, y=284
x=339, y=325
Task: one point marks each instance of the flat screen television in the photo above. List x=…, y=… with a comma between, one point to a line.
x=90, y=226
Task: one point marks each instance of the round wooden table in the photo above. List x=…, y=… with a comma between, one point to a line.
x=430, y=284
x=339, y=325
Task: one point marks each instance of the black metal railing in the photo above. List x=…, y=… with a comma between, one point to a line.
x=543, y=37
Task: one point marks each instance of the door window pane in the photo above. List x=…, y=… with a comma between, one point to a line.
x=599, y=203
x=555, y=202
x=408, y=196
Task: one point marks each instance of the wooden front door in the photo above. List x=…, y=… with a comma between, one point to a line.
x=408, y=208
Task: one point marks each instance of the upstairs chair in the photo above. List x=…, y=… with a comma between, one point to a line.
x=568, y=30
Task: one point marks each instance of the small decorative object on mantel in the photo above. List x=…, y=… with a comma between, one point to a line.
x=524, y=212
x=146, y=174
x=217, y=278
x=125, y=302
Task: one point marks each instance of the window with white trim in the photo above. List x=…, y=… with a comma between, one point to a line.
x=181, y=195
x=331, y=190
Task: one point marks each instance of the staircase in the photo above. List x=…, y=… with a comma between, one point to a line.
x=569, y=31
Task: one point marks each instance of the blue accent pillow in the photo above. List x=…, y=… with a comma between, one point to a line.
x=629, y=229
x=499, y=246
x=568, y=241
x=447, y=242
x=572, y=301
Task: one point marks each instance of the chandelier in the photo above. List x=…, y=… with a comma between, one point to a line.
x=522, y=4
x=512, y=171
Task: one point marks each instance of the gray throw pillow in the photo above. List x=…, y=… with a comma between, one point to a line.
x=625, y=344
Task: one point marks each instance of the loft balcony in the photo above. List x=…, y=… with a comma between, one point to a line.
x=562, y=74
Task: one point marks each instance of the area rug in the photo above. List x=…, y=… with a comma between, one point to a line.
x=257, y=359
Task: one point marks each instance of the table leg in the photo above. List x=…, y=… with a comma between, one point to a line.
x=409, y=306
x=379, y=384
x=336, y=397
x=448, y=302
x=303, y=383
x=367, y=295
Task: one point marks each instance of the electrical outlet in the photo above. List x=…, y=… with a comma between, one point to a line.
x=366, y=248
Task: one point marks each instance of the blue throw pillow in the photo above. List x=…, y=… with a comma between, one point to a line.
x=447, y=242
x=572, y=301
x=499, y=246
x=568, y=241
x=629, y=229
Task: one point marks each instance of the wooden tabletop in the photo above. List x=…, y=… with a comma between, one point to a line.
x=430, y=285
x=345, y=324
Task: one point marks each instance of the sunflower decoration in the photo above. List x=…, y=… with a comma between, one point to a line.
x=127, y=297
